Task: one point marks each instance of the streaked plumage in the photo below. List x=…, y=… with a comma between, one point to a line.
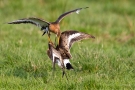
x=44, y=25
x=61, y=54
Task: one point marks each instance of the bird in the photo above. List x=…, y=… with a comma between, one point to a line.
x=60, y=54
x=46, y=26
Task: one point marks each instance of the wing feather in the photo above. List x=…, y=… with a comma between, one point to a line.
x=69, y=12
x=69, y=37
x=32, y=20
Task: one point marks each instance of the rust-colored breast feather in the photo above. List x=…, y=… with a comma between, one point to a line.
x=54, y=28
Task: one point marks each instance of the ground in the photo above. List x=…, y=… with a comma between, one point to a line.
x=106, y=62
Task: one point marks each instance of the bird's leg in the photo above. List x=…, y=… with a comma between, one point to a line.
x=58, y=39
x=53, y=66
x=64, y=73
x=55, y=41
x=49, y=39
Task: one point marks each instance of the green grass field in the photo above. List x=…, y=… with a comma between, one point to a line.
x=107, y=62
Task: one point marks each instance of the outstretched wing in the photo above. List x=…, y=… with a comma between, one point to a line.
x=35, y=21
x=69, y=12
x=67, y=38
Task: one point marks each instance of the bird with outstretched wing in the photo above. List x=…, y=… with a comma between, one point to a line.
x=46, y=26
x=61, y=53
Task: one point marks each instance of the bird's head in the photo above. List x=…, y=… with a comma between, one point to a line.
x=45, y=30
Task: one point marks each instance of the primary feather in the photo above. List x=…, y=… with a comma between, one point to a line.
x=69, y=12
x=32, y=20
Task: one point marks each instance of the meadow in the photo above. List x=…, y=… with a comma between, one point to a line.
x=106, y=62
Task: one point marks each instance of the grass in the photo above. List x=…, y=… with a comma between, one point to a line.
x=107, y=62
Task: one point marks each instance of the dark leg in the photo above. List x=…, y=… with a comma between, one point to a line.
x=53, y=67
x=63, y=73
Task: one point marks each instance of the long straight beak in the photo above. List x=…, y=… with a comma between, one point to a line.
x=44, y=33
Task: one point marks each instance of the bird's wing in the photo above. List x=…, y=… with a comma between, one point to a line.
x=69, y=12
x=32, y=20
x=67, y=38
x=53, y=53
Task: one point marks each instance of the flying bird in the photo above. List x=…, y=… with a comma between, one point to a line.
x=46, y=26
x=61, y=53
